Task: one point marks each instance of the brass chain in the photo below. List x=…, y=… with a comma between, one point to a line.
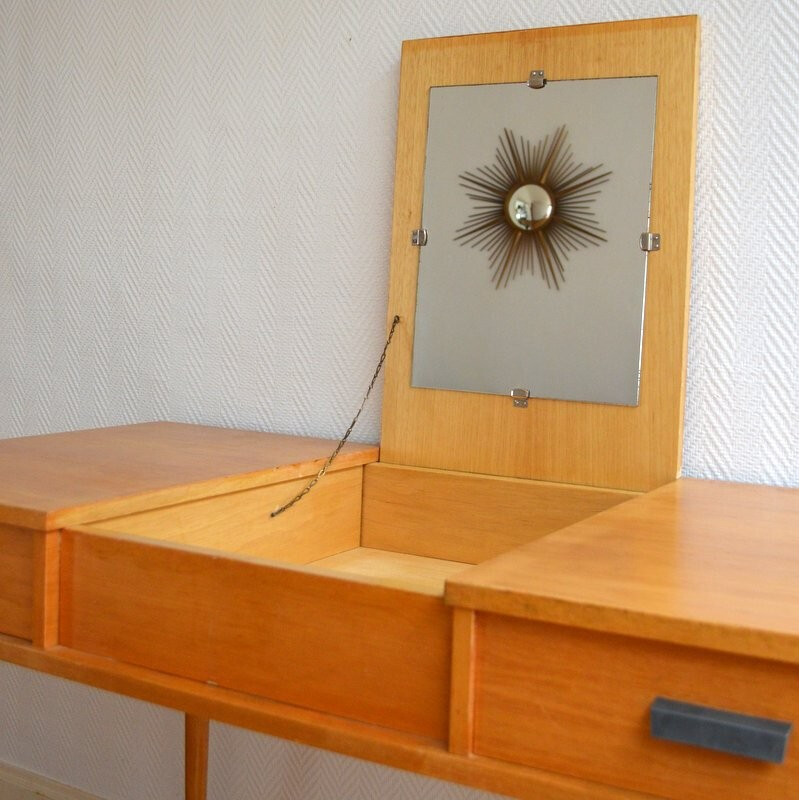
x=310, y=485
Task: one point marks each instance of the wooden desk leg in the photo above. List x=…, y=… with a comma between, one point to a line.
x=196, y=757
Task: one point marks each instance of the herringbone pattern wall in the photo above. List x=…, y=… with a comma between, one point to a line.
x=195, y=199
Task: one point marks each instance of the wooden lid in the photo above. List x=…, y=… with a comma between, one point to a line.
x=634, y=448
x=50, y=481
x=695, y=562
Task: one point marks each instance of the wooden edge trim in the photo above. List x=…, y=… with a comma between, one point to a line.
x=23, y=518
x=184, y=493
x=46, y=587
x=358, y=740
x=428, y=42
x=692, y=171
x=462, y=683
x=740, y=641
x=388, y=466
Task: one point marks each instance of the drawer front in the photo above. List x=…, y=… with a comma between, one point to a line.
x=578, y=702
x=369, y=653
x=16, y=581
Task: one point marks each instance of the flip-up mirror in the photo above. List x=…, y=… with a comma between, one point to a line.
x=534, y=203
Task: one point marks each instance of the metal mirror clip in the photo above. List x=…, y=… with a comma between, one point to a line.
x=537, y=80
x=520, y=397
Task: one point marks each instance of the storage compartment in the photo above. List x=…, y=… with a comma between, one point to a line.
x=16, y=581
x=398, y=526
x=577, y=702
x=307, y=607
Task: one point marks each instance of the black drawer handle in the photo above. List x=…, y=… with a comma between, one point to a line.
x=701, y=726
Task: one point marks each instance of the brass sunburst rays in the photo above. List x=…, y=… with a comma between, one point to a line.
x=533, y=206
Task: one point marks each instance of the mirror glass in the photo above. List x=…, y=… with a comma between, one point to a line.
x=534, y=201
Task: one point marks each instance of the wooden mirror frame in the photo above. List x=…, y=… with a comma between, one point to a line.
x=635, y=448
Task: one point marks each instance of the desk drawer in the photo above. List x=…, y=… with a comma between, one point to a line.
x=578, y=702
x=16, y=581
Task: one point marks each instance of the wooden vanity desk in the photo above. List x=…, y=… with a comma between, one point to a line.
x=530, y=674
x=524, y=600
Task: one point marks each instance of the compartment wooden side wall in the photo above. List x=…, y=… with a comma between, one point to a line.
x=469, y=518
x=326, y=522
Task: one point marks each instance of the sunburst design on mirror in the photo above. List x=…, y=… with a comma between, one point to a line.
x=533, y=206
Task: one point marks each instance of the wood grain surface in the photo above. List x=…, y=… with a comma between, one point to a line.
x=470, y=518
x=696, y=562
x=325, y=522
x=16, y=581
x=577, y=702
x=401, y=570
x=357, y=739
x=585, y=443
x=46, y=587
x=462, y=682
x=60, y=479
x=340, y=645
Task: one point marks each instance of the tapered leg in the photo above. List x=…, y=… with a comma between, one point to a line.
x=196, y=757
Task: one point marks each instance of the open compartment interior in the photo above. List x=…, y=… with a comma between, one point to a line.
x=405, y=527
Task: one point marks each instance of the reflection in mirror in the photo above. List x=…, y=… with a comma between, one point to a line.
x=528, y=207
x=528, y=192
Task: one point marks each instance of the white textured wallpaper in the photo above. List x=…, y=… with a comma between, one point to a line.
x=195, y=202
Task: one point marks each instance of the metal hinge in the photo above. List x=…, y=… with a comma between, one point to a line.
x=650, y=241
x=520, y=397
x=419, y=237
x=537, y=79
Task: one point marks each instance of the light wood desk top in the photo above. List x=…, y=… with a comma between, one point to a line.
x=695, y=562
x=63, y=479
